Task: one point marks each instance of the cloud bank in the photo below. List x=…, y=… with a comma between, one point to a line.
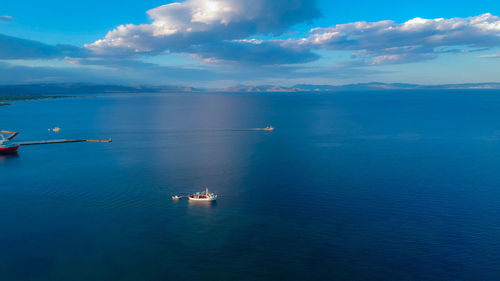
x=417, y=39
x=183, y=26
x=222, y=30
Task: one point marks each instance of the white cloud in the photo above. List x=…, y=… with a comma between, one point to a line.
x=483, y=30
x=222, y=30
x=490, y=56
x=417, y=39
x=178, y=26
x=5, y=18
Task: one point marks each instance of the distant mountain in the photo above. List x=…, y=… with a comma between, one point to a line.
x=256, y=89
x=465, y=86
x=84, y=88
x=375, y=86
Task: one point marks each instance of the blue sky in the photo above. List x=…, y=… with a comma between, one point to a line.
x=225, y=42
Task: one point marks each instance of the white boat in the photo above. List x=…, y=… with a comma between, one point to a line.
x=269, y=128
x=203, y=196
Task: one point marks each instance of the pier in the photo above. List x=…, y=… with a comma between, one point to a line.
x=58, y=141
x=7, y=145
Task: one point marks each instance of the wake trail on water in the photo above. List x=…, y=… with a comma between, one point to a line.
x=245, y=129
x=222, y=130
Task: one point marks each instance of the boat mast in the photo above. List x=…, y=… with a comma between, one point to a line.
x=10, y=136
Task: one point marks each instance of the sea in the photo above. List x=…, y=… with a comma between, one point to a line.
x=380, y=185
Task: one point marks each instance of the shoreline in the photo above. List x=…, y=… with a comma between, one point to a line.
x=6, y=98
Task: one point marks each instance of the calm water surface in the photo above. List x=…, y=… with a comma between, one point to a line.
x=350, y=186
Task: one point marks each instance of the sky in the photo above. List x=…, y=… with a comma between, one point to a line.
x=219, y=43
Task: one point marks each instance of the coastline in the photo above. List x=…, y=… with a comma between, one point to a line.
x=4, y=98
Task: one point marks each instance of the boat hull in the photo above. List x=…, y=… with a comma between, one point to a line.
x=9, y=149
x=203, y=199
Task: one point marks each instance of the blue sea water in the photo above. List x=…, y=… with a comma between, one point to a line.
x=350, y=186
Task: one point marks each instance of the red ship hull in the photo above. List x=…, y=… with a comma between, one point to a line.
x=11, y=149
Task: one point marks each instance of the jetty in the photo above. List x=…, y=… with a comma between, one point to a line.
x=58, y=141
x=9, y=146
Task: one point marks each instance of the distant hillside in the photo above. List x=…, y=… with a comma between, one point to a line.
x=358, y=87
x=83, y=88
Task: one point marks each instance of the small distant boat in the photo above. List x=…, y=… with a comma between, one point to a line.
x=203, y=196
x=269, y=128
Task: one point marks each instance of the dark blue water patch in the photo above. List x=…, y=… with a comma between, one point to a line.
x=350, y=186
